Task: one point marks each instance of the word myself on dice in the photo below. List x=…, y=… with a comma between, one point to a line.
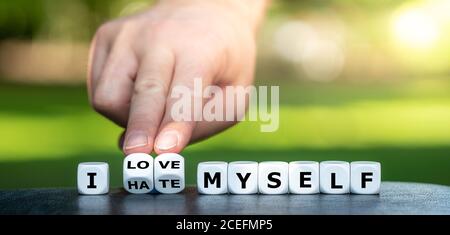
x=165, y=174
x=298, y=177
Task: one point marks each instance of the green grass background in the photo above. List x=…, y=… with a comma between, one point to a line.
x=45, y=131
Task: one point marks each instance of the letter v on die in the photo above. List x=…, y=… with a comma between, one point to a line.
x=165, y=164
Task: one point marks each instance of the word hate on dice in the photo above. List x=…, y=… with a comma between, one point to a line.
x=299, y=177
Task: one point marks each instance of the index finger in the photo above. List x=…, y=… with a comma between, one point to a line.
x=148, y=101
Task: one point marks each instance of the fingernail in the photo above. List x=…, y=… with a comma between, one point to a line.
x=167, y=140
x=137, y=139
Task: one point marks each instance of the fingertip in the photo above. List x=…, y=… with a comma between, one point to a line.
x=137, y=142
x=168, y=140
x=146, y=149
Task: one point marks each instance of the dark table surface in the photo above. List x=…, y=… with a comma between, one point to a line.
x=395, y=198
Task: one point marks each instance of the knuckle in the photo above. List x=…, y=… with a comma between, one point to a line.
x=161, y=29
x=111, y=68
x=129, y=25
x=126, y=31
x=149, y=86
x=104, y=29
x=103, y=103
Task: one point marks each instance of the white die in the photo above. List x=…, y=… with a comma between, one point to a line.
x=334, y=177
x=138, y=173
x=93, y=178
x=212, y=177
x=169, y=173
x=304, y=177
x=273, y=177
x=243, y=177
x=365, y=177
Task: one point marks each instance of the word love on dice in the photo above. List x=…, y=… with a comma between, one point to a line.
x=141, y=174
x=299, y=177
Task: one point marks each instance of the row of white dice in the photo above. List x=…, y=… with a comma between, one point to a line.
x=299, y=177
x=141, y=174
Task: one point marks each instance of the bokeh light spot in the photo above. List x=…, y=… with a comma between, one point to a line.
x=415, y=28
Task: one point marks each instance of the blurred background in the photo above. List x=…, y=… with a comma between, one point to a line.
x=359, y=80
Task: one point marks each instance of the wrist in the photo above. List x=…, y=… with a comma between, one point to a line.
x=251, y=11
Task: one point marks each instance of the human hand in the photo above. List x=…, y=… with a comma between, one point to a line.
x=136, y=61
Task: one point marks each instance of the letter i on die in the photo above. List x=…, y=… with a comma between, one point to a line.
x=138, y=173
x=93, y=178
x=169, y=173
